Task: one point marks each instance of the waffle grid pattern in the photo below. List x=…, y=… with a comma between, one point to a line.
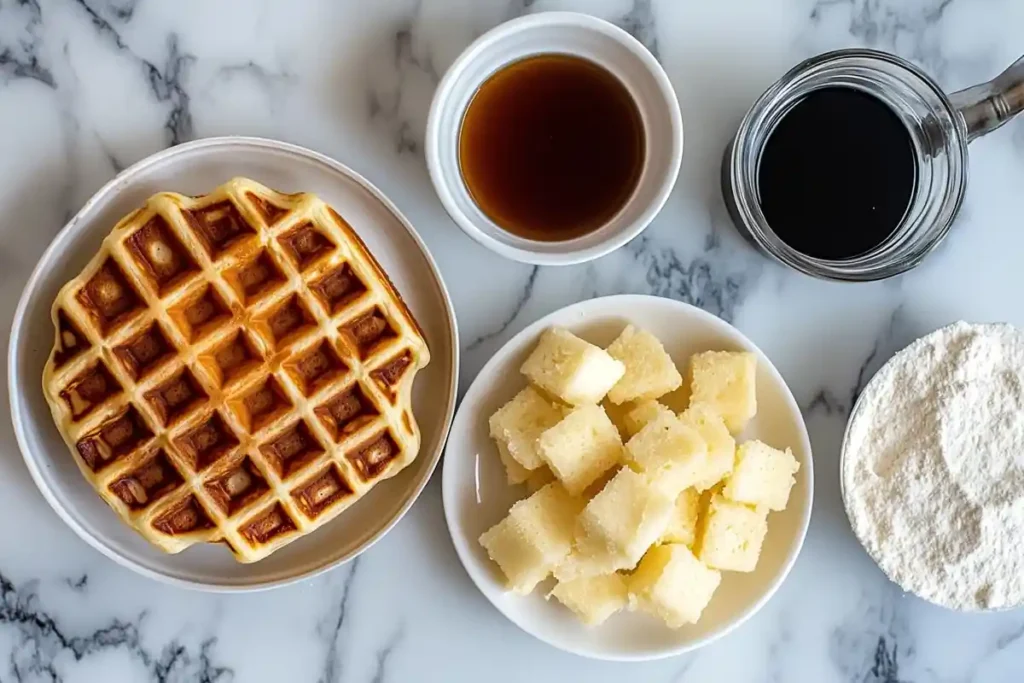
x=234, y=367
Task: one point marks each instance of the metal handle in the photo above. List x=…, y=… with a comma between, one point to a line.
x=987, y=106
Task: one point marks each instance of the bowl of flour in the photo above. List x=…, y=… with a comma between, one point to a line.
x=932, y=467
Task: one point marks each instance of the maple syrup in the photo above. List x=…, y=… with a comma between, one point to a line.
x=551, y=147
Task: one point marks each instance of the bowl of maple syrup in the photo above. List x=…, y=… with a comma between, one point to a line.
x=554, y=138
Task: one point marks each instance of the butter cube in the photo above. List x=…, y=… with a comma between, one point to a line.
x=520, y=422
x=763, y=476
x=620, y=523
x=672, y=454
x=650, y=372
x=672, y=584
x=720, y=444
x=515, y=472
x=593, y=598
x=725, y=382
x=580, y=564
x=539, y=478
x=581, y=447
x=570, y=369
x=522, y=560
x=600, y=483
x=617, y=414
x=534, y=538
x=641, y=414
x=731, y=535
x=682, y=527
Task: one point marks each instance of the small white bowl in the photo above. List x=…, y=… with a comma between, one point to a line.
x=561, y=33
x=195, y=168
x=476, y=495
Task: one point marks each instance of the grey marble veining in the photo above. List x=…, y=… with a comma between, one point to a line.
x=88, y=87
x=44, y=646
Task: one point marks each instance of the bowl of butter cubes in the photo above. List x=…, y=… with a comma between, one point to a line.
x=628, y=478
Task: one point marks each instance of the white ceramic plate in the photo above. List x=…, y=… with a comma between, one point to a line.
x=197, y=168
x=476, y=495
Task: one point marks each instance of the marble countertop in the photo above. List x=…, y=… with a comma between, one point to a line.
x=88, y=87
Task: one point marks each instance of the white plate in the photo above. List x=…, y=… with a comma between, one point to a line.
x=197, y=168
x=476, y=495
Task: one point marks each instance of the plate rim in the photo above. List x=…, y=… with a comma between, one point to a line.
x=71, y=228
x=621, y=302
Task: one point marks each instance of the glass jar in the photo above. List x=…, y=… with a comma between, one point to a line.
x=940, y=127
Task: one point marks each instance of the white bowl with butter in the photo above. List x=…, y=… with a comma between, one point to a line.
x=477, y=495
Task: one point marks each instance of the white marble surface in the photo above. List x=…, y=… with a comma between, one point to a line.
x=90, y=86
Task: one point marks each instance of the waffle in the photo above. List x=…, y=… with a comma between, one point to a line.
x=235, y=367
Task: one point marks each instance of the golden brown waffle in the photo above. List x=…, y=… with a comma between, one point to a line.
x=234, y=367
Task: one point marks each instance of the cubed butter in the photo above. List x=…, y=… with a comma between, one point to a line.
x=720, y=444
x=593, y=598
x=670, y=453
x=763, y=476
x=534, y=538
x=581, y=564
x=617, y=414
x=731, y=535
x=571, y=369
x=673, y=584
x=520, y=422
x=515, y=472
x=725, y=382
x=600, y=483
x=539, y=478
x=682, y=527
x=650, y=372
x=581, y=447
x=620, y=523
x=641, y=414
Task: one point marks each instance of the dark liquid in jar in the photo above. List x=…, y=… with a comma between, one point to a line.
x=551, y=147
x=837, y=174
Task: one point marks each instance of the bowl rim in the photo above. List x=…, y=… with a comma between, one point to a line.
x=39, y=273
x=570, y=255
x=623, y=302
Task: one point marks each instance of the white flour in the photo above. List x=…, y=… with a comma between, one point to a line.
x=934, y=468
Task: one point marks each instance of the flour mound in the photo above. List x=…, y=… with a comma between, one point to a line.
x=934, y=467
